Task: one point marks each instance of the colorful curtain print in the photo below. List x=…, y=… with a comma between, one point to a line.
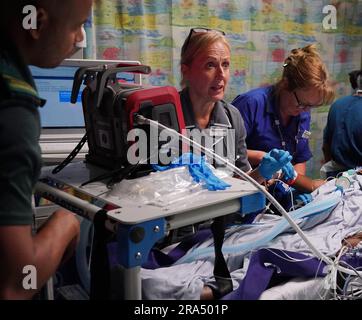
x=261, y=33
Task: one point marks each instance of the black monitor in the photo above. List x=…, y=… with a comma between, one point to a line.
x=63, y=122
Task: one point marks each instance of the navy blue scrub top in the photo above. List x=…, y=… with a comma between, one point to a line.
x=343, y=131
x=264, y=130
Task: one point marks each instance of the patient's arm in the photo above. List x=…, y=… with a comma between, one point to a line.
x=353, y=241
x=306, y=184
x=206, y=294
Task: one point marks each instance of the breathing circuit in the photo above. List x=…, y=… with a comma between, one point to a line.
x=142, y=120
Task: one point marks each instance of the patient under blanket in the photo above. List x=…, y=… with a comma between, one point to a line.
x=251, y=262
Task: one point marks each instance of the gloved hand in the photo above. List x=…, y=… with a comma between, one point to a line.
x=272, y=162
x=304, y=198
x=289, y=174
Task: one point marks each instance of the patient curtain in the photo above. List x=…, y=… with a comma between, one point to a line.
x=261, y=33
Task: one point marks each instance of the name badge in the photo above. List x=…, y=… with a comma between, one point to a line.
x=217, y=132
x=306, y=134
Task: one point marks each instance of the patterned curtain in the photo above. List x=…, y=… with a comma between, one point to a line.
x=261, y=33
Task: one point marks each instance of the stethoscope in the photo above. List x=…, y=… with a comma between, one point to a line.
x=305, y=135
x=282, y=140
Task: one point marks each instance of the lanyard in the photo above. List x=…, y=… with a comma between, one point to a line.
x=271, y=108
x=277, y=124
x=282, y=140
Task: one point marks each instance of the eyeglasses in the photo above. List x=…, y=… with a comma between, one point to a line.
x=301, y=105
x=199, y=30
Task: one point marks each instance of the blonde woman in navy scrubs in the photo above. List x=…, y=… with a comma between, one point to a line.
x=278, y=116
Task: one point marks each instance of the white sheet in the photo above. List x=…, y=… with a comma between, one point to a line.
x=298, y=289
x=185, y=281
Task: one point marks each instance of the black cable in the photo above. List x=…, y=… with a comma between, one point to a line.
x=71, y=155
x=117, y=175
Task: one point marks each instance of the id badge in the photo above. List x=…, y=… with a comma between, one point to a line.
x=306, y=134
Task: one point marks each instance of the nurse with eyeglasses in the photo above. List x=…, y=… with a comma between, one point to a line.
x=278, y=116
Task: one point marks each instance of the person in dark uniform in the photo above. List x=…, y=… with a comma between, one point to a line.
x=205, y=70
x=342, y=144
x=58, y=29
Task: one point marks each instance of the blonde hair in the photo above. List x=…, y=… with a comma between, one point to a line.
x=304, y=68
x=196, y=43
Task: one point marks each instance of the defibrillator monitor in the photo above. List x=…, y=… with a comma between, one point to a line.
x=63, y=122
x=55, y=86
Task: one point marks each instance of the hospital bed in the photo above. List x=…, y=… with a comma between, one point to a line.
x=137, y=226
x=327, y=221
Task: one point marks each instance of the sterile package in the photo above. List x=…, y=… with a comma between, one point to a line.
x=161, y=188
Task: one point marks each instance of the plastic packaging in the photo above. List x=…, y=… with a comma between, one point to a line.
x=160, y=188
x=200, y=170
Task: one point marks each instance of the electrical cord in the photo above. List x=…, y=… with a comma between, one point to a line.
x=291, y=194
x=71, y=155
x=286, y=256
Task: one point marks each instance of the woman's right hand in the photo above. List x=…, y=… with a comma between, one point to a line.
x=272, y=162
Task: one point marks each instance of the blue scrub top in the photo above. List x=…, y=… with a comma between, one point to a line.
x=343, y=132
x=261, y=117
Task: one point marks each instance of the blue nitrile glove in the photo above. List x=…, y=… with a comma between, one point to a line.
x=273, y=161
x=185, y=159
x=198, y=169
x=304, y=198
x=289, y=173
x=202, y=173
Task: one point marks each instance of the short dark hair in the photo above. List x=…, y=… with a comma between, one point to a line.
x=353, y=79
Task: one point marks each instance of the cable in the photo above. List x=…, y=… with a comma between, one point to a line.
x=142, y=120
x=334, y=282
x=286, y=256
x=352, y=282
x=291, y=194
x=322, y=289
x=71, y=155
x=129, y=171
